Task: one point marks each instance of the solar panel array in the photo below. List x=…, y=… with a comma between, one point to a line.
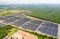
x=49, y=28
x=3, y=18
x=20, y=22
x=27, y=23
x=32, y=25
x=52, y=25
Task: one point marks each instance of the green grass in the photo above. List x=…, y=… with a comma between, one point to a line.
x=7, y=30
x=6, y=12
x=13, y=30
x=47, y=16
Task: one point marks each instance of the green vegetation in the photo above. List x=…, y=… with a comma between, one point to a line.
x=5, y=12
x=7, y=30
x=47, y=16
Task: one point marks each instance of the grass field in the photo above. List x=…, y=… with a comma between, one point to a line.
x=47, y=16
x=7, y=30
x=9, y=12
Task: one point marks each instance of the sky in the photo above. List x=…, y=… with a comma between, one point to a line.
x=29, y=1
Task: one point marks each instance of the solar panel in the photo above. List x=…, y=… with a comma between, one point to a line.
x=3, y=18
x=48, y=24
x=9, y=21
x=17, y=18
x=19, y=23
x=25, y=19
x=9, y=16
x=36, y=21
x=30, y=26
x=49, y=31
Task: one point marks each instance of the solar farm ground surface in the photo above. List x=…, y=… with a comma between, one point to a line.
x=34, y=25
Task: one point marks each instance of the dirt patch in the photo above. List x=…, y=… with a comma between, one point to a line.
x=25, y=35
x=59, y=31
x=1, y=21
